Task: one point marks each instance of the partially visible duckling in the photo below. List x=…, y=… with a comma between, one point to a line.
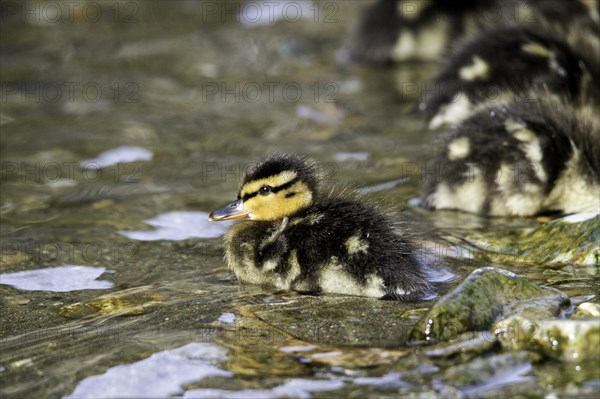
x=518, y=159
x=504, y=65
x=300, y=239
x=405, y=30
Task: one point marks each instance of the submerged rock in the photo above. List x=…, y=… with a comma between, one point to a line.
x=567, y=340
x=490, y=376
x=128, y=302
x=339, y=320
x=489, y=294
x=572, y=240
x=466, y=346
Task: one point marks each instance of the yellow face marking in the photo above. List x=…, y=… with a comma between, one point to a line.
x=277, y=205
x=273, y=181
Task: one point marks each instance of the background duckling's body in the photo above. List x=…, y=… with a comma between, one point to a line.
x=519, y=159
x=511, y=64
x=333, y=245
x=407, y=30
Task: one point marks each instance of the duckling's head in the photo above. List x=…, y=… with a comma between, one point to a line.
x=278, y=186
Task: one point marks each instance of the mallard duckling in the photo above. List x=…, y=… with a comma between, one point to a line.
x=518, y=159
x=405, y=30
x=505, y=65
x=297, y=238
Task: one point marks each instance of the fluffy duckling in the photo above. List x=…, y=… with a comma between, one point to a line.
x=406, y=30
x=505, y=65
x=518, y=159
x=297, y=238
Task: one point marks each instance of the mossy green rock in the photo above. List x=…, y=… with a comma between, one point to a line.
x=489, y=294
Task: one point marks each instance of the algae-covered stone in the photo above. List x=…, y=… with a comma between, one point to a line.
x=572, y=240
x=567, y=340
x=487, y=295
x=128, y=302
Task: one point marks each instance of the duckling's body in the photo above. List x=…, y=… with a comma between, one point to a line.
x=506, y=65
x=519, y=159
x=327, y=244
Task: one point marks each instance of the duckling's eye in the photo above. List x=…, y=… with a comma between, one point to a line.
x=264, y=190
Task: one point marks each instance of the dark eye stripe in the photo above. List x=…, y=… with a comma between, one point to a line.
x=273, y=189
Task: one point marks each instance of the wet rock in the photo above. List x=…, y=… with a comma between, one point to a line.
x=129, y=302
x=353, y=358
x=339, y=320
x=567, y=340
x=487, y=295
x=17, y=300
x=466, y=346
x=571, y=240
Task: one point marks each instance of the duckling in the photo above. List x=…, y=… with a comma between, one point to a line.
x=300, y=239
x=518, y=159
x=407, y=30
x=509, y=64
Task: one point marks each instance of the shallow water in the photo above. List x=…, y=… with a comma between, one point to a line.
x=197, y=92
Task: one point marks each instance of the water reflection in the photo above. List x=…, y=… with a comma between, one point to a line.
x=58, y=279
x=122, y=154
x=160, y=375
x=177, y=226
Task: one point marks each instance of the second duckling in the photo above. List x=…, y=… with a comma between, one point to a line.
x=518, y=159
x=299, y=239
